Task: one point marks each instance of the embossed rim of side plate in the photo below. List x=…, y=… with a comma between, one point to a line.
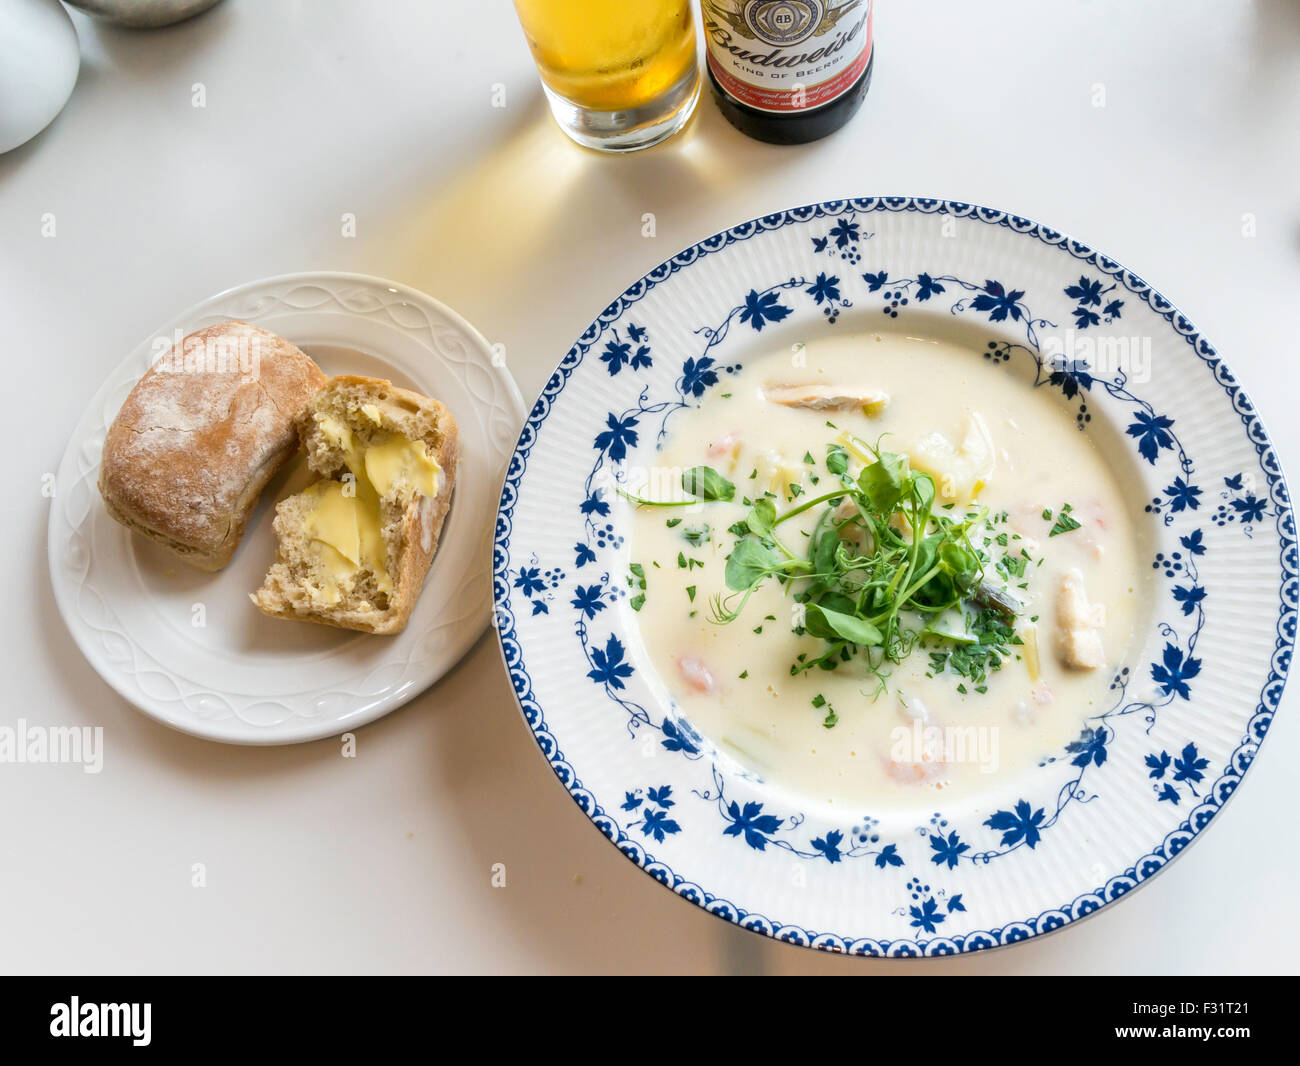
x=950, y=885
x=348, y=311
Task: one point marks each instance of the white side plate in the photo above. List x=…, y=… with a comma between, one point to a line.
x=189, y=648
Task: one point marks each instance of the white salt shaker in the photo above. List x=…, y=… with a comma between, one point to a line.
x=39, y=60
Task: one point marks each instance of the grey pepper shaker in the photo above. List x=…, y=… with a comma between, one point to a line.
x=143, y=14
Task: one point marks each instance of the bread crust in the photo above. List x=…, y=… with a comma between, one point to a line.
x=421, y=523
x=422, y=529
x=196, y=441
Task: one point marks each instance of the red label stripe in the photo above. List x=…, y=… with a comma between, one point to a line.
x=783, y=99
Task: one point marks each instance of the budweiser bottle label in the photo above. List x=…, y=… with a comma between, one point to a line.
x=787, y=55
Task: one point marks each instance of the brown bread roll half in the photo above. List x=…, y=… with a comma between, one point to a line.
x=201, y=434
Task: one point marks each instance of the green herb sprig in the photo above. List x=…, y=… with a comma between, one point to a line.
x=880, y=568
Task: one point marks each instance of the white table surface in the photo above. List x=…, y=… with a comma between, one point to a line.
x=383, y=862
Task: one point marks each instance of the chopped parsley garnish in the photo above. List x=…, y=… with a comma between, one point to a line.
x=636, y=579
x=829, y=722
x=1064, y=521
x=696, y=535
x=981, y=650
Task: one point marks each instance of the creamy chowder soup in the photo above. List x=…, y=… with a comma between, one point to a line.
x=909, y=573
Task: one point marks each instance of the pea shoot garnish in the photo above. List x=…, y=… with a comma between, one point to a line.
x=881, y=570
x=703, y=484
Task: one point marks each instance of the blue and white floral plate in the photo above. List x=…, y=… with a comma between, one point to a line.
x=1146, y=775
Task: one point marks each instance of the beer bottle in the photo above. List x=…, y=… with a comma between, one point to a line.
x=789, y=71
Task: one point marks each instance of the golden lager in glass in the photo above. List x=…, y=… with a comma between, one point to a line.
x=620, y=74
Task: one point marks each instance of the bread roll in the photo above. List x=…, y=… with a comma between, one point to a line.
x=355, y=546
x=201, y=434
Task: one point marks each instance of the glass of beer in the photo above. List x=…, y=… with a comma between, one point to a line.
x=620, y=74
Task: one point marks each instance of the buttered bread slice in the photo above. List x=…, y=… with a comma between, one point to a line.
x=355, y=546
